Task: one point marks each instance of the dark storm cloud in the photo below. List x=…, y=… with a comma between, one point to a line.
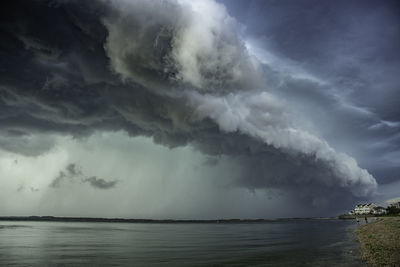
x=352, y=47
x=358, y=131
x=70, y=173
x=180, y=77
x=73, y=173
x=58, y=180
x=100, y=183
x=73, y=170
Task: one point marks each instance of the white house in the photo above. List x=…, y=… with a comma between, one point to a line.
x=365, y=208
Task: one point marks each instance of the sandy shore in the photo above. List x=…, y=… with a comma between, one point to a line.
x=380, y=242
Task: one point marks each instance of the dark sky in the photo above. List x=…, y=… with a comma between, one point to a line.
x=198, y=109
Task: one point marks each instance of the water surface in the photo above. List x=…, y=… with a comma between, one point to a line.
x=291, y=243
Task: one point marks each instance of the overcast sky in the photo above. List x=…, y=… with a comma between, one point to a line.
x=198, y=109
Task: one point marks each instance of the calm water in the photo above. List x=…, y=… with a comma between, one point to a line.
x=300, y=243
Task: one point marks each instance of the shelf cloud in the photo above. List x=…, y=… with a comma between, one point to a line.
x=176, y=71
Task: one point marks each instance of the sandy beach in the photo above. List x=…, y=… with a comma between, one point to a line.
x=380, y=242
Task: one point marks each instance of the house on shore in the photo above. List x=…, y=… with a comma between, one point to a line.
x=370, y=208
x=367, y=209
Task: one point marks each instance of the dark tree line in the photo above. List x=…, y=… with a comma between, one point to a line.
x=392, y=210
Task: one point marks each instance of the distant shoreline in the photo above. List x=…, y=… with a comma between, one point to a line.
x=121, y=220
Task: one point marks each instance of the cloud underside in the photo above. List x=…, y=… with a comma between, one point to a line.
x=159, y=69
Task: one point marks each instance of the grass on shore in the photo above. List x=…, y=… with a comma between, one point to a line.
x=380, y=242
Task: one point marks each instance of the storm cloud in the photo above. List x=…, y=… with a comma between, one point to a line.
x=336, y=63
x=100, y=183
x=70, y=172
x=73, y=173
x=179, y=72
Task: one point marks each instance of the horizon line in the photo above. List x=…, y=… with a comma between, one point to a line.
x=147, y=220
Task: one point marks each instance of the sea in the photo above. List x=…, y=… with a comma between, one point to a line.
x=280, y=243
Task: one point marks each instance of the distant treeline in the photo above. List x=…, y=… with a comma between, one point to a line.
x=392, y=210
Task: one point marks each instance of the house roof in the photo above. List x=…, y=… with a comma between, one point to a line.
x=365, y=205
